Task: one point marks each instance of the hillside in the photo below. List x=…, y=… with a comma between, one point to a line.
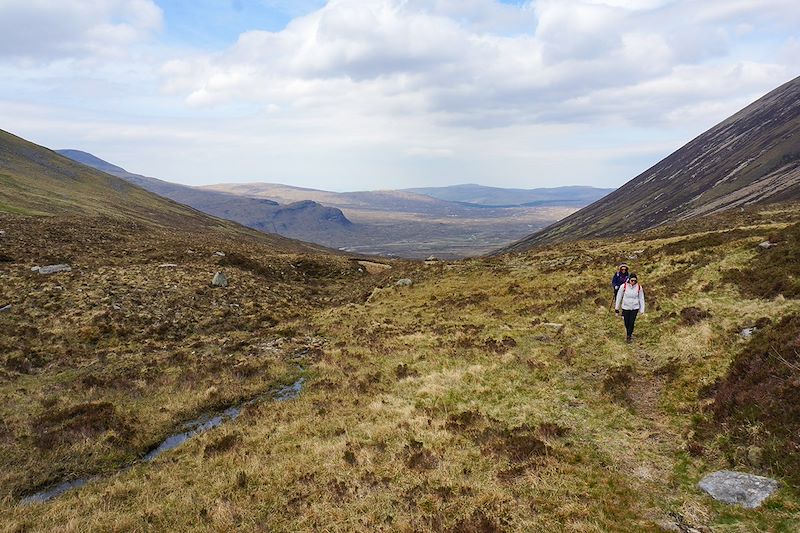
x=496, y=196
x=476, y=399
x=303, y=220
x=751, y=158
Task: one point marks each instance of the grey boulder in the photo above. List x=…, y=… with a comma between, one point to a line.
x=220, y=280
x=746, y=490
x=54, y=269
x=405, y=282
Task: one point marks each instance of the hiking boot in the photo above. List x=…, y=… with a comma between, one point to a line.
x=629, y=339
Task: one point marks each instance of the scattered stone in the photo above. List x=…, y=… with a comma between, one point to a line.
x=116, y=307
x=553, y=325
x=405, y=282
x=748, y=332
x=220, y=280
x=5, y=308
x=374, y=294
x=2, y=233
x=35, y=269
x=766, y=244
x=54, y=269
x=219, y=254
x=746, y=490
x=167, y=265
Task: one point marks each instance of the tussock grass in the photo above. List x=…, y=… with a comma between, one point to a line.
x=478, y=399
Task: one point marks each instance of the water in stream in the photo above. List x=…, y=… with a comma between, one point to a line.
x=191, y=429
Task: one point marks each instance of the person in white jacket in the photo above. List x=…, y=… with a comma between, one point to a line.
x=630, y=298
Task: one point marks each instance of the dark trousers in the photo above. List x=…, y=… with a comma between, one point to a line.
x=629, y=315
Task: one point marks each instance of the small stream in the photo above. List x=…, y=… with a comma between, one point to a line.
x=190, y=429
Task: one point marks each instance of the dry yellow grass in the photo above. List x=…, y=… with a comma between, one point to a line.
x=456, y=405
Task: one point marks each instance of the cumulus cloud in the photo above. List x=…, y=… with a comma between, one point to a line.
x=43, y=30
x=481, y=63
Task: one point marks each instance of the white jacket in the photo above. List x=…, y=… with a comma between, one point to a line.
x=630, y=297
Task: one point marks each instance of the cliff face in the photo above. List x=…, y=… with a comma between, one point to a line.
x=753, y=157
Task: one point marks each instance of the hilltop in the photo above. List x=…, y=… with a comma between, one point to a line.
x=751, y=158
x=578, y=196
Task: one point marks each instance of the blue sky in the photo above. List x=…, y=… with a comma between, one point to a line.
x=370, y=94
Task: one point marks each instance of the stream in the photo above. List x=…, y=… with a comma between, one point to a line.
x=190, y=429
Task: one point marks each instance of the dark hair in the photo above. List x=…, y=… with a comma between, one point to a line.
x=633, y=276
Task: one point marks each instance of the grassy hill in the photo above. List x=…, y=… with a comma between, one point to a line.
x=753, y=157
x=492, y=394
x=36, y=181
x=303, y=220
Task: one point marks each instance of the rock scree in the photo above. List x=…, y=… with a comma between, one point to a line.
x=746, y=490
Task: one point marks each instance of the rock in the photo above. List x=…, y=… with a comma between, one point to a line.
x=748, y=332
x=5, y=308
x=405, y=282
x=220, y=280
x=2, y=233
x=432, y=258
x=219, y=254
x=746, y=490
x=54, y=269
x=766, y=244
x=374, y=294
x=167, y=265
x=553, y=325
x=35, y=269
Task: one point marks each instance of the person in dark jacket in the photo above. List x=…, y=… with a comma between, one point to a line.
x=619, y=279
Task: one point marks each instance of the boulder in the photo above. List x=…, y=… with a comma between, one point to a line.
x=54, y=269
x=766, y=244
x=746, y=490
x=220, y=280
x=5, y=309
x=748, y=332
x=167, y=265
x=219, y=254
x=405, y=282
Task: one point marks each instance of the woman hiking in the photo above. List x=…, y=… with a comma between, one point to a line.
x=620, y=277
x=630, y=298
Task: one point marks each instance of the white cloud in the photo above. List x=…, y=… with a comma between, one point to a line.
x=42, y=30
x=377, y=93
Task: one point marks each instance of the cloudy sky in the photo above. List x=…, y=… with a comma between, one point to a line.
x=367, y=94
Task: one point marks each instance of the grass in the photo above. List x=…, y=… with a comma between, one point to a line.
x=455, y=404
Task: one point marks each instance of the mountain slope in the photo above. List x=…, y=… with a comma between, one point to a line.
x=305, y=220
x=498, y=197
x=753, y=157
x=37, y=181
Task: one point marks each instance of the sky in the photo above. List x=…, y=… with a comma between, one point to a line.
x=385, y=94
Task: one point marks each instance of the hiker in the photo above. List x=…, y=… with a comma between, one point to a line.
x=619, y=279
x=630, y=298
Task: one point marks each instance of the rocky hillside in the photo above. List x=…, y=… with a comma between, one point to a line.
x=304, y=220
x=753, y=157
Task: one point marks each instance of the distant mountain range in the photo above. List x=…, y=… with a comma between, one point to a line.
x=403, y=223
x=36, y=181
x=500, y=197
x=753, y=157
x=304, y=220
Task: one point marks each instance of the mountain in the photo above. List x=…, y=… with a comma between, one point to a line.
x=410, y=224
x=502, y=197
x=303, y=220
x=36, y=181
x=753, y=157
